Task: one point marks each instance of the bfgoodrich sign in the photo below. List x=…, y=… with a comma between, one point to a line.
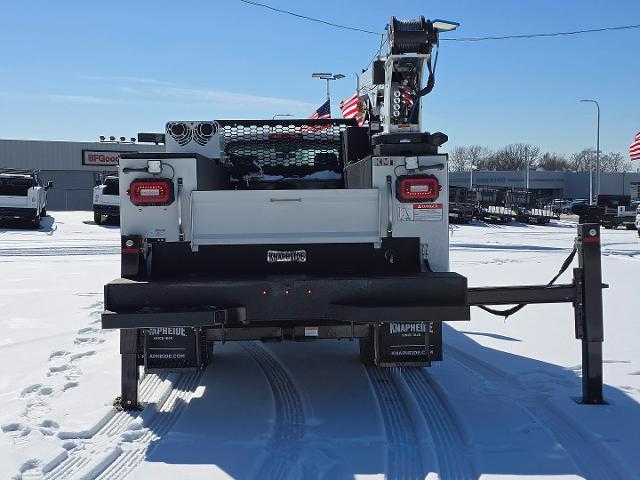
x=100, y=157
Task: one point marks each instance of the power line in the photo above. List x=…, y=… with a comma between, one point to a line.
x=539, y=35
x=460, y=39
x=287, y=12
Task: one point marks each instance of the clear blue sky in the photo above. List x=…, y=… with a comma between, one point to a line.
x=76, y=69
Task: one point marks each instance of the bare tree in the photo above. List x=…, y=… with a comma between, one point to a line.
x=458, y=159
x=513, y=157
x=553, y=162
x=581, y=161
x=476, y=155
x=614, y=162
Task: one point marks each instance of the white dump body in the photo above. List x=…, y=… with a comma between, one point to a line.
x=202, y=215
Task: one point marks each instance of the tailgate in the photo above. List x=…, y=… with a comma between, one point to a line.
x=16, y=201
x=285, y=216
x=107, y=200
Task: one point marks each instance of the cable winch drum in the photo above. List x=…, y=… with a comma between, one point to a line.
x=411, y=36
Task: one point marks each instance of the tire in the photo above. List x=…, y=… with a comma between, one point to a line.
x=97, y=218
x=630, y=227
x=35, y=222
x=367, y=350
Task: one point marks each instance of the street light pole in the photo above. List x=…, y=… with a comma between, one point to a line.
x=597, y=157
x=328, y=77
x=526, y=175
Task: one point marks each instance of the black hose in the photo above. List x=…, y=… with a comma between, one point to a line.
x=510, y=311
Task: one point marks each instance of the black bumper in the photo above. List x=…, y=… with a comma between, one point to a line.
x=111, y=210
x=10, y=212
x=286, y=300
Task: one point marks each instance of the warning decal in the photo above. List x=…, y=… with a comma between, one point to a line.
x=420, y=212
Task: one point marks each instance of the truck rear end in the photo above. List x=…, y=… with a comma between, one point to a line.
x=106, y=199
x=276, y=230
x=292, y=230
x=22, y=196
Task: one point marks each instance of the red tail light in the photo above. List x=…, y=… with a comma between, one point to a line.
x=424, y=188
x=151, y=191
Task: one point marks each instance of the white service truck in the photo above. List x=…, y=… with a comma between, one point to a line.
x=23, y=195
x=292, y=230
x=106, y=199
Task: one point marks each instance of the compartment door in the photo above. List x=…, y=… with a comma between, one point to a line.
x=285, y=216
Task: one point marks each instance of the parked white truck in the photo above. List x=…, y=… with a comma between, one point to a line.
x=23, y=195
x=106, y=199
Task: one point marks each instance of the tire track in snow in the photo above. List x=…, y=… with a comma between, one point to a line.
x=80, y=448
x=289, y=425
x=404, y=460
x=136, y=443
x=593, y=462
x=442, y=423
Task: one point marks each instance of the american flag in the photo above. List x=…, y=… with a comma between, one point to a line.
x=351, y=108
x=323, y=111
x=634, y=148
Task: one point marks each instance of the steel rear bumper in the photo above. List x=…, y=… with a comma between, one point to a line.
x=111, y=210
x=17, y=212
x=286, y=300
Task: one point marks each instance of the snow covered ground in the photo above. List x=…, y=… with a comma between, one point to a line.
x=499, y=406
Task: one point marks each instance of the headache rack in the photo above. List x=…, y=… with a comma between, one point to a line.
x=285, y=148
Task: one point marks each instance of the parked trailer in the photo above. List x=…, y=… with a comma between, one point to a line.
x=493, y=205
x=310, y=229
x=616, y=211
x=462, y=204
x=526, y=209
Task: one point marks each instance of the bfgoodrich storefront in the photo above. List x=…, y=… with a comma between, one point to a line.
x=73, y=167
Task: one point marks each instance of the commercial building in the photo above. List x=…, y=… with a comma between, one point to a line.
x=73, y=167
x=546, y=184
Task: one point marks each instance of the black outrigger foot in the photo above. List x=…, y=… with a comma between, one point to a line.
x=588, y=311
x=129, y=340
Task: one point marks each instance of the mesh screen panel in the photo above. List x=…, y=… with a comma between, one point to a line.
x=289, y=148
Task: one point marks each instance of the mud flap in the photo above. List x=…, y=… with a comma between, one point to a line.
x=408, y=344
x=174, y=348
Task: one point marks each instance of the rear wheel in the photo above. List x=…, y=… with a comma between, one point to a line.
x=97, y=218
x=630, y=227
